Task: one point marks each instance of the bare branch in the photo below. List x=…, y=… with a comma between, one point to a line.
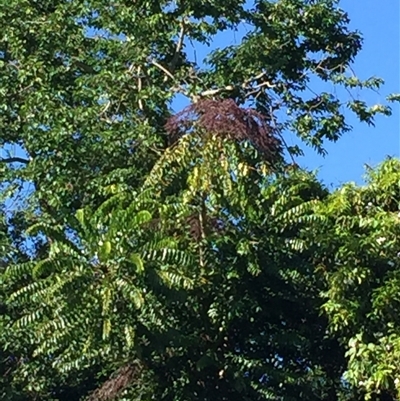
x=139, y=81
x=164, y=70
x=14, y=160
x=212, y=92
x=106, y=107
x=179, y=89
x=257, y=88
x=25, y=89
x=139, y=70
x=246, y=85
x=265, y=83
x=14, y=64
x=277, y=131
x=131, y=67
x=178, y=46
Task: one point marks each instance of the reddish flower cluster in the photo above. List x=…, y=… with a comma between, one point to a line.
x=117, y=383
x=225, y=117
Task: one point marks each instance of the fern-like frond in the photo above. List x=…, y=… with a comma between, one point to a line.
x=25, y=292
x=46, y=266
x=174, y=279
x=169, y=256
x=129, y=335
x=131, y=293
x=19, y=269
x=174, y=159
x=30, y=318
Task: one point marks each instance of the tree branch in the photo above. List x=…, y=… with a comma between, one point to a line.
x=246, y=85
x=106, y=107
x=163, y=69
x=14, y=160
x=139, y=71
x=212, y=92
x=179, y=46
x=117, y=383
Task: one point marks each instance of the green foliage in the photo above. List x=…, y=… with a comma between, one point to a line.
x=137, y=264
x=359, y=241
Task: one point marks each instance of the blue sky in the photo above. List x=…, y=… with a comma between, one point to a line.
x=379, y=22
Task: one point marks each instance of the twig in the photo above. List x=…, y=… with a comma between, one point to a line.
x=257, y=88
x=25, y=89
x=248, y=81
x=178, y=46
x=276, y=130
x=312, y=91
x=140, y=87
x=107, y=106
x=179, y=89
x=14, y=64
x=131, y=67
x=14, y=160
x=286, y=146
x=265, y=83
x=244, y=85
x=163, y=69
x=212, y=92
x=202, y=218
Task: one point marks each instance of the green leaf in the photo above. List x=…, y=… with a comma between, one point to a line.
x=137, y=260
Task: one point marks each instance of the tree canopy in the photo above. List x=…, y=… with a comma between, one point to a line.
x=154, y=253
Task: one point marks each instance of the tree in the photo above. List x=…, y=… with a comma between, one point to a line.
x=86, y=96
x=357, y=233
